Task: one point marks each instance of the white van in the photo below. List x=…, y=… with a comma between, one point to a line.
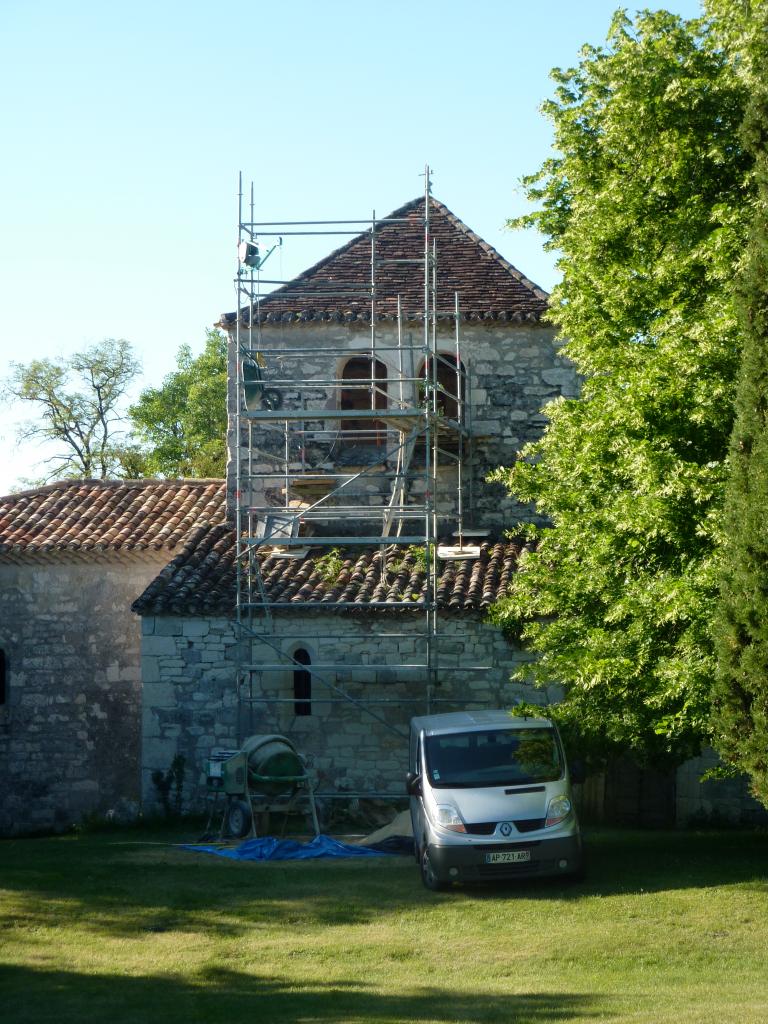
x=490, y=798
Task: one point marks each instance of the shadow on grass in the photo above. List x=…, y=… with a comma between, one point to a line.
x=129, y=888
x=38, y=996
x=624, y=861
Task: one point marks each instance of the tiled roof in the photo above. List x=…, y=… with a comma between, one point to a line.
x=489, y=287
x=95, y=516
x=201, y=579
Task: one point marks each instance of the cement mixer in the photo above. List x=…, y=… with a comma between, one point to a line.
x=266, y=774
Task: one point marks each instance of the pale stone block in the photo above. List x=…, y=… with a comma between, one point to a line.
x=161, y=695
x=559, y=376
x=196, y=627
x=159, y=645
x=158, y=753
x=168, y=625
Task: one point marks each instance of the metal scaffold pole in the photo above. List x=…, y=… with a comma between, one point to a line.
x=350, y=446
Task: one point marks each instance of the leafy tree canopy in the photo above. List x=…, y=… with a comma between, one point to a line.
x=78, y=403
x=182, y=425
x=647, y=203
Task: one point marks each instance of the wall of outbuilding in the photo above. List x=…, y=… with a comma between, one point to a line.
x=190, y=703
x=190, y=706
x=714, y=801
x=70, y=724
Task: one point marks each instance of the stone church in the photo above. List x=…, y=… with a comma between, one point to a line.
x=121, y=602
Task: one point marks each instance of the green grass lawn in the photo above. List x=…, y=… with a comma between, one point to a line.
x=121, y=926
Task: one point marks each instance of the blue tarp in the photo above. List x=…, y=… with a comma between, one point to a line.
x=270, y=848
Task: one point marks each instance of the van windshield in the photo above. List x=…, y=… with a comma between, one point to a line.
x=498, y=757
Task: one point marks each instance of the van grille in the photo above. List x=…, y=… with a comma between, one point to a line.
x=531, y=825
x=487, y=828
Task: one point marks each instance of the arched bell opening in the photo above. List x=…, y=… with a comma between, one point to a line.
x=364, y=387
x=450, y=383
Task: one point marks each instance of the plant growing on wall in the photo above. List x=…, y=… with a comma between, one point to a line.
x=170, y=786
x=329, y=565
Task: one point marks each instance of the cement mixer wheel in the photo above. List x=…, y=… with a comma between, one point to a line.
x=238, y=819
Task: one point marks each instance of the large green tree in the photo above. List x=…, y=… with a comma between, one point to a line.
x=79, y=410
x=741, y=623
x=182, y=425
x=647, y=202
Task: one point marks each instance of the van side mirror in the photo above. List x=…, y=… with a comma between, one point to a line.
x=577, y=772
x=413, y=784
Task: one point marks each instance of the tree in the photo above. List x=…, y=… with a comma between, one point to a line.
x=182, y=425
x=647, y=203
x=79, y=399
x=741, y=621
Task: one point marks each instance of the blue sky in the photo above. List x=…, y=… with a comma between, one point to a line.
x=125, y=127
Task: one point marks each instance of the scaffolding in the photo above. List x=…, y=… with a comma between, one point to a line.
x=368, y=455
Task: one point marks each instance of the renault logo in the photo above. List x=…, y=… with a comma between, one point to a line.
x=505, y=828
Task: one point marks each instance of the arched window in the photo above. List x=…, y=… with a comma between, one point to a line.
x=451, y=384
x=302, y=683
x=358, y=380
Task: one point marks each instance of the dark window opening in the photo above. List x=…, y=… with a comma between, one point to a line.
x=3, y=678
x=450, y=384
x=302, y=684
x=356, y=395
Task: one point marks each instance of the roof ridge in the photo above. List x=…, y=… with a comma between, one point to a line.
x=55, y=485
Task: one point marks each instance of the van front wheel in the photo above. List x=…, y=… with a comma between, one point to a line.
x=428, y=876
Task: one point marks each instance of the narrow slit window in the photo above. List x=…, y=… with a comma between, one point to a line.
x=3, y=678
x=302, y=684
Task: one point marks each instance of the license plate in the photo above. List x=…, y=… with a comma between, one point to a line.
x=508, y=857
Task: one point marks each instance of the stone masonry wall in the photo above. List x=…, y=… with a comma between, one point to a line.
x=190, y=704
x=69, y=729
x=715, y=801
x=512, y=371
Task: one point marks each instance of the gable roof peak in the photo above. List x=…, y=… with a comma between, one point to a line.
x=489, y=286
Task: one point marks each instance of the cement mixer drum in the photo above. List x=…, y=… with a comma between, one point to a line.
x=274, y=764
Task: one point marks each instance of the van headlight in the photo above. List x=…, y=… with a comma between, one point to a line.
x=559, y=808
x=449, y=817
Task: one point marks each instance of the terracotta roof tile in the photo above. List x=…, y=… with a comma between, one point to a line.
x=200, y=580
x=82, y=516
x=490, y=288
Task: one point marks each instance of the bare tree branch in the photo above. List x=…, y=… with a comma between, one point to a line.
x=78, y=405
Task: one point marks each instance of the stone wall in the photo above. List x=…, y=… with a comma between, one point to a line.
x=190, y=706
x=70, y=726
x=512, y=371
x=190, y=703
x=714, y=801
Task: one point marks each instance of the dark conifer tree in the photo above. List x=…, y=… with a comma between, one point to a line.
x=741, y=628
